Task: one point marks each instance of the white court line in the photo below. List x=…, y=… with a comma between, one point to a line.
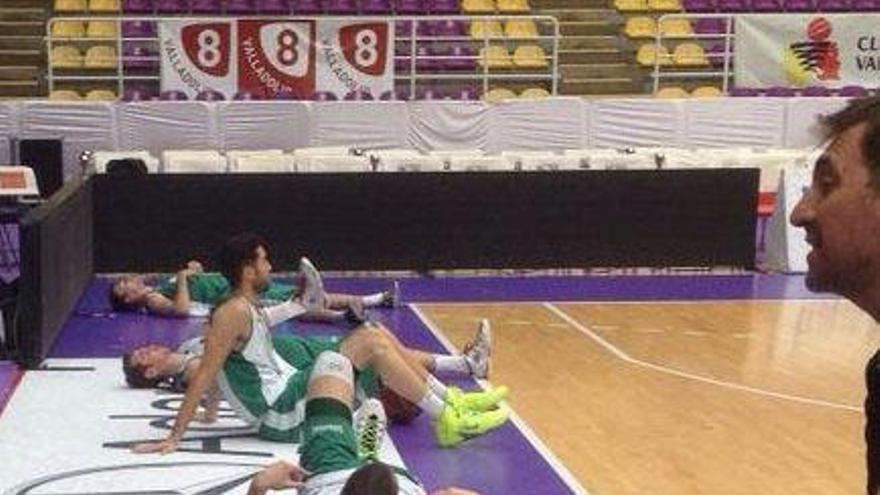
x=631, y=301
x=681, y=374
x=515, y=418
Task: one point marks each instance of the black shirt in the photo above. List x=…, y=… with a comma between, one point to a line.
x=872, y=423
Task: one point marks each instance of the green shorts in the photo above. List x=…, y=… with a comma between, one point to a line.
x=329, y=442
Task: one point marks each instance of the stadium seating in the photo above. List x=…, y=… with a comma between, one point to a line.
x=102, y=29
x=534, y=94
x=675, y=27
x=520, y=28
x=68, y=29
x=495, y=57
x=486, y=29
x=532, y=56
x=689, y=54
x=648, y=54
x=706, y=92
x=499, y=94
x=513, y=6
x=104, y=6
x=101, y=57
x=64, y=95
x=478, y=6
x=640, y=27
x=138, y=6
x=66, y=57
x=70, y=5
x=672, y=92
x=101, y=95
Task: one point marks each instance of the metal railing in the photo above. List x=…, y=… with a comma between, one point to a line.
x=713, y=71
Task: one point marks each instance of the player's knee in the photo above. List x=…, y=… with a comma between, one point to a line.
x=333, y=365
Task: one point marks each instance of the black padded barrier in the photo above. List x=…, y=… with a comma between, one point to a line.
x=424, y=221
x=56, y=266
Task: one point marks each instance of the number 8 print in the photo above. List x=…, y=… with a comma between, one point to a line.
x=366, y=52
x=288, y=51
x=209, y=48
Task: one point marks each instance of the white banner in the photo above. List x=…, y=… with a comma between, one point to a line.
x=807, y=50
x=268, y=58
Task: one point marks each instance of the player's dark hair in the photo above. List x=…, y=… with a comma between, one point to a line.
x=375, y=478
x=238, y=252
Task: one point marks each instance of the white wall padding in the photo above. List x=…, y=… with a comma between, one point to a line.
x=380, y=124
x=168, y=125
x=548, y=125
x=448, y=125
x=285, y=125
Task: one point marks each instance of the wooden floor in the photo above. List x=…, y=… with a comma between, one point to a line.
x=686, y=398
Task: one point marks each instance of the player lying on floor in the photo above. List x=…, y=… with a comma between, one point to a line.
x=340, y=451
x=193, y=292
x=159, y=366
x=266, y=385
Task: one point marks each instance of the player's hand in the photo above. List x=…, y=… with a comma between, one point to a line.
x=166, y=446
x=280, y=476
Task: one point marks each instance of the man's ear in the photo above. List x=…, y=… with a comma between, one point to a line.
x=151, y=373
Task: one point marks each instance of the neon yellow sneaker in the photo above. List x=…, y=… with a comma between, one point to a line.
x=457, y=425
x=476, y=401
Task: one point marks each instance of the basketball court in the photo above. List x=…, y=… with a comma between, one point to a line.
x=668, y=384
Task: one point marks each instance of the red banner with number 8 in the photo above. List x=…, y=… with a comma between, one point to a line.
x=208, y=47
x=365, y=46
x=276, y=57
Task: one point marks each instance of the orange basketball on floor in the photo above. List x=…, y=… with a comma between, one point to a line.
x=398, y=409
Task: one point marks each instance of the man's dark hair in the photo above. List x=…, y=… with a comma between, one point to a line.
x=236, y=253
x=862, y=110
x=374, y=478
x=118, y=303
x=135, y=376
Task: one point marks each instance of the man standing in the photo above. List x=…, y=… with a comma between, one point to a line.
x=841, y=215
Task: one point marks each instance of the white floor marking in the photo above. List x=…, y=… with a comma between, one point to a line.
x=682, y=374
x=515, y=418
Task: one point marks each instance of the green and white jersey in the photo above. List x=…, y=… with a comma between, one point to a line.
x=254, y=378
x=332, y=483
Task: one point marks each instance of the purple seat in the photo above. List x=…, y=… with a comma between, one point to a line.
x=429, y=94
x=799, y=6
x=359, y=96
x=708, y=25
x=445, y=7
x=206, y=7
x=274, y=7
x=816, y=91
x=138, y=7
x=466, y=93
x=308, y=7
x=733, y=6
x=410, y=7
x=137, y=94
x=461, y=58
x=243, y=7
x=699, y=6
x=450, y=28
x=424, y=29
x=397, y=95
x=744, y=92
x=767, y=6
x=173, y=95
x=136, y=56
x=853, y=91
x=780, y=92
x=172, y=6
x=865, y=5
x=832, y=6
x=244, y=96
x=210, y=95
x=715, y=55
x=341, y=7
x=138, y=29
x=324, y=96
x=403, y=29
x=426, y=61
x=376, y=7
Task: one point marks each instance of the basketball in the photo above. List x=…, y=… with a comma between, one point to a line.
x=399, y=410
x=819, y=29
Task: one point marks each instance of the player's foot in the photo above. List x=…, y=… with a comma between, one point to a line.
x=478, y=351
x=391, y=297
x=457, y=425
x=370, y=425
x=476, y=401
x=311, y=287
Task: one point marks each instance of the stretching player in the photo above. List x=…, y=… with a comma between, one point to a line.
x=339, y=453
x=193, y=292
x=268, y=390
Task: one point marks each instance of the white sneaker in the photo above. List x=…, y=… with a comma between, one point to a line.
x=311, y=289
x=370, y=425
x=478, y=351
